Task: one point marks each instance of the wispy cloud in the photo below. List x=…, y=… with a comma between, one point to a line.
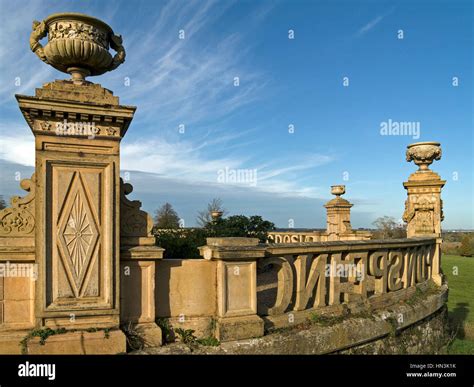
x=374, y=22
x=190, y=80
x=370, y=25
x=173, y=81
x=185, y=161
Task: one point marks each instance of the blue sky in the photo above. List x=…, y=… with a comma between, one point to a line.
x=336, y=135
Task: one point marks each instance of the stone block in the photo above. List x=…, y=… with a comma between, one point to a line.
x=237, y=328
x=236, y=288
x=80, y=343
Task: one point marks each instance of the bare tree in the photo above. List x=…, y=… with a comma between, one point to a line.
x=388, y=228
x=204, y=217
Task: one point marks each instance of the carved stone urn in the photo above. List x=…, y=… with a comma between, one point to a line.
x=215, y=215
x=77, y=44
x=423, y=154
x=338, y=190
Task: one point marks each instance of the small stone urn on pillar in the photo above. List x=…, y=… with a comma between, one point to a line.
x=78, y=127
x=338, y=214
x=423, y=206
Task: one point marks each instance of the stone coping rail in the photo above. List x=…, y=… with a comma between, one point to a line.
x=264, y=286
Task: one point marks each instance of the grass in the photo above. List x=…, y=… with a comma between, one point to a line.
x=459, y=346
x=460, y=273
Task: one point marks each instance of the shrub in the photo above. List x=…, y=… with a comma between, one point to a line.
x=181, y=243
x=466, y=249
x=184, y=243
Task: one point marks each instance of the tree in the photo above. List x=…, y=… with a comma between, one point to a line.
x=204, y=217
x=388, y=228
x=182, y=243
x=466, y=248
x=166, y=217
x=241, y=226
x=3, y=204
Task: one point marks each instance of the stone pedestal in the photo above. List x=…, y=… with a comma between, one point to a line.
x=338, y=214
x=77, y=129
x=423, y=206
x=236, y=286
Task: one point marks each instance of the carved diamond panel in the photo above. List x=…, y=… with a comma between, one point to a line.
x=78, y=233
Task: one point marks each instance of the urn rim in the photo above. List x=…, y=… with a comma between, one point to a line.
x=76, y=16
x=423, y=143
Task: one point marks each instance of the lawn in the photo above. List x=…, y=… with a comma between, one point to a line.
x=460, y=273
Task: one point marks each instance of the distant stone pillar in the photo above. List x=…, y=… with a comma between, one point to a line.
x=338, y=214
x=236, y=286
x=423, y=206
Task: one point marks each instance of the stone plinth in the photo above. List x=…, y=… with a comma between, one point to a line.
x=236, y=286
x=77, y=129
x=423, y=206
x=338, y=215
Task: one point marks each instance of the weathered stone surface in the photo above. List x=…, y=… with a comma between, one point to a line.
x=232, y=241
x=422, y=331
x=204, y=326
x=69, y=343
x=80, y=343
x=237, y=328
x=181, y=298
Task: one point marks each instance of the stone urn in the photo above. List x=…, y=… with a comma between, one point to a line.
x=77, y=44
x=338, y=190
x=215, y=215
x=423, y=154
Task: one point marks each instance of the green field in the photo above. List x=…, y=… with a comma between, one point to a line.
x=460, y=273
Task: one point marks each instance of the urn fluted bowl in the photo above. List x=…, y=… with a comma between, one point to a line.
x=423, y=154
x=78, y=44
x=338, y=190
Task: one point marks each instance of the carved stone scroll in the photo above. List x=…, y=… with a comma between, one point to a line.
x=133, y=221
x=18, y=220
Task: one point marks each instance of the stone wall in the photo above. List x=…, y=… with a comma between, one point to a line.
x=422, y=331
x=427, y=336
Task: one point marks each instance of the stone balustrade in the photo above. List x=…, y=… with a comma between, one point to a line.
x=277, y=285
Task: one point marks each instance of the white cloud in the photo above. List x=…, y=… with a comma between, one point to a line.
x=371, y=24
x=18, y=146
x=173, y=81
